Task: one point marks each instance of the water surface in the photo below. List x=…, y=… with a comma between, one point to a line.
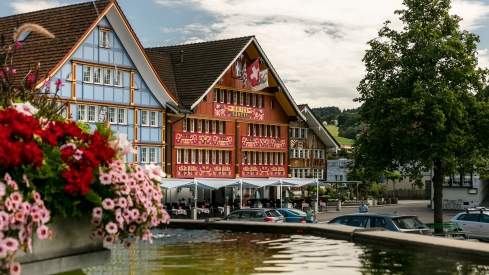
x=178, y=251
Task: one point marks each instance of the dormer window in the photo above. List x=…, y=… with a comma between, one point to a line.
x=104, y=38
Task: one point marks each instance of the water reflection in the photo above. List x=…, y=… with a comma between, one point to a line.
x=217, y=252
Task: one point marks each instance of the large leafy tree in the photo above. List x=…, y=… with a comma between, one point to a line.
x=421, y=97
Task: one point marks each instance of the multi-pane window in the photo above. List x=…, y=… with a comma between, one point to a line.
x=152, y=155
x=235, y=98
x=199, y=125
x=117, y=78
x=260, y=101
x=82, y=113
x=107, y=77
x=185, y=125
x=111, y=115
x=97, y=75
x=92, y=114
x=229, y=97
x=253, y=100
x=144, y=155
x=193, y=156
x=179, y=156
x=144, y=118
x=221, y=96
x=122, y=116
x=207, y=125
x=104, y=39
x=153, y=119
x=87, y=74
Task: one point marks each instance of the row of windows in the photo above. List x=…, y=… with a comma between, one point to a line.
x=298, y=132
x=307, y=173
x=149, y=118
x=263, y=158
x=306, y=153
x=261, y=130
x=149, y=154
x=204, y=126
x=238, y=98
x=103, y=76
x=201, y=156
x=91, y=113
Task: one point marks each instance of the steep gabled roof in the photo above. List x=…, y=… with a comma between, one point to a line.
x=71, y=25
x=203, y=63
x=67, y=23
x=318, y=128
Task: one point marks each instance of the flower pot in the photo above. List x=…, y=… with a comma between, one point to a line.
x=70, y=248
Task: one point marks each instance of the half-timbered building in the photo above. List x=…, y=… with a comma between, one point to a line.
x=104, y=69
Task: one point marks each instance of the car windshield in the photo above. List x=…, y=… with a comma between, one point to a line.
x=273, y=213
x=409, y=223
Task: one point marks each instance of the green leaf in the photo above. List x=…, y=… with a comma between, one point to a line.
x=93, y=198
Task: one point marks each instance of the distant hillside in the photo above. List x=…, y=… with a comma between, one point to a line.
x=348, y=120
x=333, y=130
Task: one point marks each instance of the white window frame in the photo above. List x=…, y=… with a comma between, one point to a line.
x=179, y=156
x=104, y=39
x=124, y=116
x=153, y=155
x=111, y=115
x=144, y=154
x=87, y=74
x=97, y=75
x=153, y=119
x=117, y=78
x=94, y=109
x=107, y=76
x=144, y=118
x=82, y=113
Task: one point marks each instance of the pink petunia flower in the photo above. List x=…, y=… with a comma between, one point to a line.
x=43, y=232
x=11, y=244
x=108, y=204
x=15, y=269
x=111, y=228
x=105, y=178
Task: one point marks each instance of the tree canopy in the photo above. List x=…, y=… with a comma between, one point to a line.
x=422, y=96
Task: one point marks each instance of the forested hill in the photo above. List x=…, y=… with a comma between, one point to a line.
x=348, y=120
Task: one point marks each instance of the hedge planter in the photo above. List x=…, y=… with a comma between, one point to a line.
x=70, y=248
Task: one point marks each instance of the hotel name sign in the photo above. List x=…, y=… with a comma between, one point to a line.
x=244, y=112
x=204, y=171
x=203, y=140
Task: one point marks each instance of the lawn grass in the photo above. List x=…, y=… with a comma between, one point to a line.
x=333, y=130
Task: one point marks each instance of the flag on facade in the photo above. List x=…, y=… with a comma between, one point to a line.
x=262, y=82
x=253, y=73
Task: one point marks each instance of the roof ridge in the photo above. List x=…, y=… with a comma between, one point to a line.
x=201, y=42
x=58, y=7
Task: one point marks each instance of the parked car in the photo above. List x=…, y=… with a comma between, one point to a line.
x=474, y=222
x=294, y=215
x=392, y=222
x=256, y=215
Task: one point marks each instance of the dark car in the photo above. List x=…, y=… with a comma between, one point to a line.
x=294, y=215
x=256, y=215
x=392, y=222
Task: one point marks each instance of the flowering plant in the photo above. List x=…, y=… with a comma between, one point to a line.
x=52, y=166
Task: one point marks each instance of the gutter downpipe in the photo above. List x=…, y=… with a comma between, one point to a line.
x=194, y=212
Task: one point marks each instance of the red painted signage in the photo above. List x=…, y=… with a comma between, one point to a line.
x=204, y=171
x=251, y=113
x=264, y=143
x=263, y=171
x=203, y=140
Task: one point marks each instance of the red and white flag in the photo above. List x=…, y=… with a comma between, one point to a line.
x=253, y=72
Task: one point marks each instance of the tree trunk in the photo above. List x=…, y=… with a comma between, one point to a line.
x=438, y=178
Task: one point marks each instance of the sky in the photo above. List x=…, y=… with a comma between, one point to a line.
x=316, y=46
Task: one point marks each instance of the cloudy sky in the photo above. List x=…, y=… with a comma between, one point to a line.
x=315, y=45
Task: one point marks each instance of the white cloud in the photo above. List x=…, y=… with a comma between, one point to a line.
x=23, y=6
x=316, y=46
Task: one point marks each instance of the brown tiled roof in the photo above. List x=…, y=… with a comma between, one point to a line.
x=202, y=64
x=68, y=24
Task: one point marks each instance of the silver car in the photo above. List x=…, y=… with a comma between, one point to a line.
x=474, y=222
x=256, y=215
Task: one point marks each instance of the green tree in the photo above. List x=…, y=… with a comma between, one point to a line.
x=419, y=97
